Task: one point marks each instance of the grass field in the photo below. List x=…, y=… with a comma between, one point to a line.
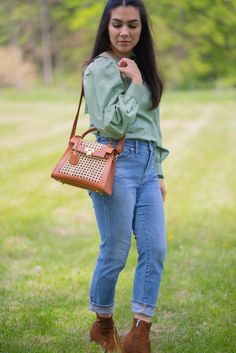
x=49, y=240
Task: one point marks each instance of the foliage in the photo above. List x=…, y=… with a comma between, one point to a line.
x=195, y=39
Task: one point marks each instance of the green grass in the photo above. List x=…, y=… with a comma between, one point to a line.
x=49, y=240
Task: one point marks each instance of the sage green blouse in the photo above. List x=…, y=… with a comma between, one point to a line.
x=118, y=106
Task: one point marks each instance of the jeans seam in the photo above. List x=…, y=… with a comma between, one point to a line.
x=102, y=306
x=148, y=256
x=148, y=166
x=143, y=303
x=107, y=248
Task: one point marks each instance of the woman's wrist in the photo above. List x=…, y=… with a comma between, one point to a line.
x=137, y=80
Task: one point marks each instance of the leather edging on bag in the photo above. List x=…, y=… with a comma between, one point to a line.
x=86, y=164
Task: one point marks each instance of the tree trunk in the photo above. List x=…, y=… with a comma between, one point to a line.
x=58, y=59
x=46, y=43
x=18, y=61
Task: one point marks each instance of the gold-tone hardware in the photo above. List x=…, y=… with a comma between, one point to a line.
x=89, y=151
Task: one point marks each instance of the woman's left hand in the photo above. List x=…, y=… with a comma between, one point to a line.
x=131, y=70
x=163, y=189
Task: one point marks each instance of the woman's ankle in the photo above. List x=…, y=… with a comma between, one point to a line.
x=105, y=316
x=143, y=317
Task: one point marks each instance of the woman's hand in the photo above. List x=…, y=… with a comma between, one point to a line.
x=163, y=189
x=131, y=70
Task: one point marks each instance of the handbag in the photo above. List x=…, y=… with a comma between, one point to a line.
x=87, y=164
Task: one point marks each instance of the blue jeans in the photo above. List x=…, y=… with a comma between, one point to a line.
x=135, y=205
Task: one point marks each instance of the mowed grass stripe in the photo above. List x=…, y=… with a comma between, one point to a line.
x=200, y=212
x=210, y=161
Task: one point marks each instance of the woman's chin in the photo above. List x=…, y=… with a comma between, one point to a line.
x=124, y=50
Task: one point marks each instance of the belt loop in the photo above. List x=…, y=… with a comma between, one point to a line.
x=136, y=146
x=151, y=146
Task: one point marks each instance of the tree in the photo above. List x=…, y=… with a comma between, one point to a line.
x=195, y=39
x=46, y=43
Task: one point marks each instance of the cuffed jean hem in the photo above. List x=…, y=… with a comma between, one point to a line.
x=101, y=309
x=144, y=309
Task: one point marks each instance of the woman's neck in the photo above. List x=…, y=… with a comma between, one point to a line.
x=118, y=55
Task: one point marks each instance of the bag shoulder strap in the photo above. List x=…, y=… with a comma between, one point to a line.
x=77, y=113
x=119, y=147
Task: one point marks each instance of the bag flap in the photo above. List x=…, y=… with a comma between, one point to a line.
x=86, y=147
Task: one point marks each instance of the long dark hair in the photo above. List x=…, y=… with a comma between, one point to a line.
x=144, y=54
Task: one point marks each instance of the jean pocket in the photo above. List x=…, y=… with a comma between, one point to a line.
x=126, y=154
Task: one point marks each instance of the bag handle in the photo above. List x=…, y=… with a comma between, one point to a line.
x=119, y=147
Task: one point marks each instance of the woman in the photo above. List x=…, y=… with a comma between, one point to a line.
x=123, y=89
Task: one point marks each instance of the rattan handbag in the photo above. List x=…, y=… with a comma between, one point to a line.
x=87, y=164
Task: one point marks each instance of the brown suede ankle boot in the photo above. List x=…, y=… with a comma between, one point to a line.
x=105, y=333
x=137, y=339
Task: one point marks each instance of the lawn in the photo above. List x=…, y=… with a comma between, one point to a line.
x=49, y=240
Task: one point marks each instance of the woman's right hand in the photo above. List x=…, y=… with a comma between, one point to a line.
x=131, y=70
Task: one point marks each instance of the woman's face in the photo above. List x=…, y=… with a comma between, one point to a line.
x=124, y=30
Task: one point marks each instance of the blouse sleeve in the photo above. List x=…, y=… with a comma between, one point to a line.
x=160, y=154
x=111, y=108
